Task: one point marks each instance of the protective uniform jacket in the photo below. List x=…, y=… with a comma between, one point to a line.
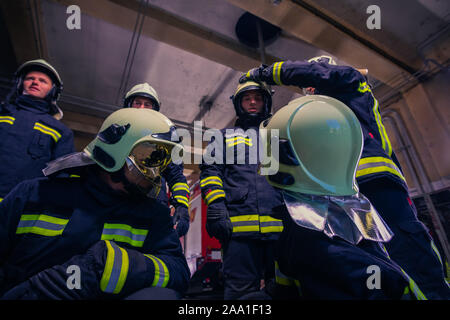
x=121, y=243
x=29, y=138
x=349, y=86
x=235, y=190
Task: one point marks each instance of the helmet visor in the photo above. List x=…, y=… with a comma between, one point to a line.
x=150, y=158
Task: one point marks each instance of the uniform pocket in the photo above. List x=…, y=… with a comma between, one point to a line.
x=40, y=145
x=236, y=195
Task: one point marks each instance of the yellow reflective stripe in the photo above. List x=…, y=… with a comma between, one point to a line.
x=385, y=142
x=250, y=144
x=269, y=224
x=116, y=269
x=124, y=233
x=411, y=283
x=210, y=178
x=182, y=199
x=271, y=229
x=161, y=278
x=180, y=186
x=213, y=195
x=7, y=119
x=238, y=138
x=245, y=223
x=435, y=249
x=367, y=171
x=276, y=72
x=371, y=165
x=363, y=87
x=47, y=130
x=74, y=176
x=44, y=217
x=41, y=224
x=281, y=278
x=212, y=183
x=248, y=217
x=1, y=199
x=252, y=228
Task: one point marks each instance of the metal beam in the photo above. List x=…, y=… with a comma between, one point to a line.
x=23, y=18
x=314, y=30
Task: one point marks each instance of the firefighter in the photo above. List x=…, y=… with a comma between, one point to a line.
x=30, y=133
x=379, y=174
x=239, y=200
x=99, y=233
x=144, y=96
x=332, y=242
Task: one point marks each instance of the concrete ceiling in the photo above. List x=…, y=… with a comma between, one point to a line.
x=189, y=52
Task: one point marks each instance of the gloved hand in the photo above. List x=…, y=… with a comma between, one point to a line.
x=255, y=74
x=181, y=218
x=218, y=224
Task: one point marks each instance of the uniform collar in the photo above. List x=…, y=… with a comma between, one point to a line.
x=102, y=191
x=33, y=105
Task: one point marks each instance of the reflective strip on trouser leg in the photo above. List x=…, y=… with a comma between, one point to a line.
x=412, y=284
x=161, y=278
x=116, y=269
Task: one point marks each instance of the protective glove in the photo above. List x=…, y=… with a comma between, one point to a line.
x=218, y=224
x=255, y=74
x=181, y=218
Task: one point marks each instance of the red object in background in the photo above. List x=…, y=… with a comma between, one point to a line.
x=208, y=244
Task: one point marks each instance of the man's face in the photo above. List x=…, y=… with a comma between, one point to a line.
x=252, y=101
x=37, y=84
x=142, y=103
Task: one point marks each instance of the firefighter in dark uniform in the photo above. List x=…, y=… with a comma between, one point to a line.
x=379, y=175
x=144, y=96
x=30, y=131
x=332, y=244
x=92, y=229
x=239, y=200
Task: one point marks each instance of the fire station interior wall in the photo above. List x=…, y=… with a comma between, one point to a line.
x=425, y=113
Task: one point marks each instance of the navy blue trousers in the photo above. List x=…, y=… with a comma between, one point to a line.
x=245, y=264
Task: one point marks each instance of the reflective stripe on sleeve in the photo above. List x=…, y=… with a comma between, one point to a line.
x=41, y=224
x=214, y=195
x=182, y=199
x=124, y=233
x=372, y=165
x=161, y=278
x=116, y=269
x=213, y=180
x=276, y=72
x=180, y=186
